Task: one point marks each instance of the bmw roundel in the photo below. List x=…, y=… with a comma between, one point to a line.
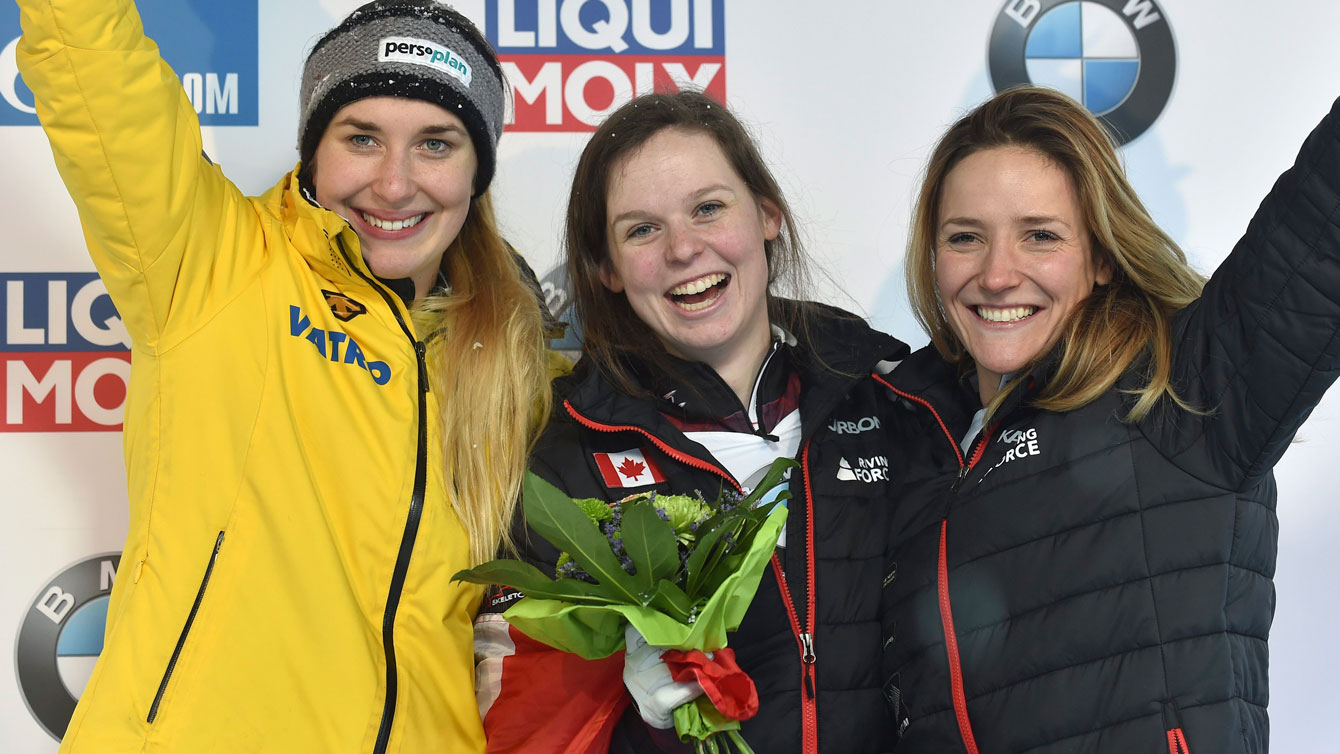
x=1117, y=57
x=60, y=640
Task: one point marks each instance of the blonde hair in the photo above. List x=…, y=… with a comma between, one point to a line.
x=487, y=360
x=1128, y=319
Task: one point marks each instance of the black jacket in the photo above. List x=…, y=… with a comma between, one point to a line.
x=1108, y=584
x=833, y=569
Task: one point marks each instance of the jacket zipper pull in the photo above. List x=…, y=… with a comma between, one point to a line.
x=962, y=474
x=807, y=657
x=421, y=355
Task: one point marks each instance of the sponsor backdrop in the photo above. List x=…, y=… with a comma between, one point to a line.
x=1211, y=97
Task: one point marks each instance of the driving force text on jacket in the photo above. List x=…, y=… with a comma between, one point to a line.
x=285, y=585
x=1071, y=582
x=812, y=646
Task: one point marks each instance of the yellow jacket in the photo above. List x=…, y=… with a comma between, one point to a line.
x=285, y=585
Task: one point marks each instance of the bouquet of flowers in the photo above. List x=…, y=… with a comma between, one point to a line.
x=680, y=569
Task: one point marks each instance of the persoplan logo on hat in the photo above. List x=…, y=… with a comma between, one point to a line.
x=211, y=45
x=423, y=52
x=60, y=640
x=1117, y=57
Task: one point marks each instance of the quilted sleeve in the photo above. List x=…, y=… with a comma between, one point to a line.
x=1260, y=348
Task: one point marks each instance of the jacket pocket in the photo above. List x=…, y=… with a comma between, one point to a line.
x=186, y=629
x=1172, y=722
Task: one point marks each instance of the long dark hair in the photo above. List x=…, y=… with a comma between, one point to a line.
x=613, y=335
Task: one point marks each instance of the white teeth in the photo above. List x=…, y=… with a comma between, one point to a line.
x=697, y=286
x=697, y=306
x=1009, y=314
x=408, y=222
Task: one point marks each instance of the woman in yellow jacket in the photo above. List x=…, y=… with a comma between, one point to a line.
x=333, y=386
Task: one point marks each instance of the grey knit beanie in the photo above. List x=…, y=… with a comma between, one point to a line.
x=419, y=49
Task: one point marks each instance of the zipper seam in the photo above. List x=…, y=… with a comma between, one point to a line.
x=951, y=643
x=186, y=629
x=412, y=517
x=1177, y=742
x=958, y=696
x=922, y=401
x=810, y=715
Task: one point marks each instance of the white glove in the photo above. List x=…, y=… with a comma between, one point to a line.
x=648, y=679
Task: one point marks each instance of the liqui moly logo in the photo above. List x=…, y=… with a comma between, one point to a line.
x=571, y=62
x=65, y=352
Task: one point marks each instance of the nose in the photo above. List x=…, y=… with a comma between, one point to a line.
x=682, y=245
x=394, y=181
x=1000, y=269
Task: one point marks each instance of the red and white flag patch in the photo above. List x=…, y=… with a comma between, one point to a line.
x=628, y=469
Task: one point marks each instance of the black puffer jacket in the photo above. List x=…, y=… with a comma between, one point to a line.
x=1105, y=586
x=832, y=569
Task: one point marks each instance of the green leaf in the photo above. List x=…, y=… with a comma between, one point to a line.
x=672, y=601
x=706, y=553
x=556, y=518
x=716, y=565
x=534, y=583
x=650, y=542
x=774, y=476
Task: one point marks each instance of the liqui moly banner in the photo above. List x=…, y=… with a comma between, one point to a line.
x=570, y=62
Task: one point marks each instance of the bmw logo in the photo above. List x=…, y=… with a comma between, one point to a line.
x=1115, y=56
x=60, y=640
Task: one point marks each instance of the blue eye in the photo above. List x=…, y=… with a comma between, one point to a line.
x=436, y=145
x=362, y=140
x=710, y=208
x=961, y=238
x=639, y=231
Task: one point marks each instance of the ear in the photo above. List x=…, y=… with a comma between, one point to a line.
x=772, y=219
x=609, y=277
x=1103, y=274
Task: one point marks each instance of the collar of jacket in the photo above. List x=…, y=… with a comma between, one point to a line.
x=846, y=351
x=953, y=393
x=341, y=257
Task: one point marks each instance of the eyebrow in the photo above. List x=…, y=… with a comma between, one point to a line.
x=637, y=214
x=433, y=130
x=709, y=189
x=1026, y=220
x=632, y=214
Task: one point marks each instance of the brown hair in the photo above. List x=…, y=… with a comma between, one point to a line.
x=1118, y=323
x=612, y=333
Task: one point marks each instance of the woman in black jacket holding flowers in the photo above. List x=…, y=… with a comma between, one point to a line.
x=695, y=376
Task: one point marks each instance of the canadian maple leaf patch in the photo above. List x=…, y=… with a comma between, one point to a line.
x=629, y=468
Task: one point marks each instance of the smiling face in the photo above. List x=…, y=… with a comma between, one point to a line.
x=685, y=239
x=1013, y=258
x=401, y=171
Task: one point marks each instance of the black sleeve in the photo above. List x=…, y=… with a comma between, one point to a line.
x=1259, y=349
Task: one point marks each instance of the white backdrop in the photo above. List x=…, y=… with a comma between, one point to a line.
x=845, y=97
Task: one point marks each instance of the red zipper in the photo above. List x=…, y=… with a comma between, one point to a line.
x=804, y=638
x=683, y=458
x=942, y=575
x=1177, y=742
x=951, y=644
